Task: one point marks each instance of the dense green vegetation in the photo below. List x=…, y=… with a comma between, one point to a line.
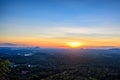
x=86, y=72
x=4, y=70
x=84, y=65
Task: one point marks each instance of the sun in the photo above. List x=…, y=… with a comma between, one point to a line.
x=74, y=44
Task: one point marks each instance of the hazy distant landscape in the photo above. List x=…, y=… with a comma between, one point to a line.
x=34, y=63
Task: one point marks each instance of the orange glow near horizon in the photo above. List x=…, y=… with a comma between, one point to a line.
x=74, y=44
x=64, y=43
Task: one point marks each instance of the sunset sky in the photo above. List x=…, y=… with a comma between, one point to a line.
x=53, y=23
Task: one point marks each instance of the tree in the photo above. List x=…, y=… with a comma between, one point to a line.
x=4, y=69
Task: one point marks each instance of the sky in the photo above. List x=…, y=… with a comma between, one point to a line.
x=53, y=23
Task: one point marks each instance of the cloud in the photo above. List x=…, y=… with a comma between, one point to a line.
x=91, y=30
x=9, y=45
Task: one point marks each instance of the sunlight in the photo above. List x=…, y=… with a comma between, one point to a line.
x=74, y=44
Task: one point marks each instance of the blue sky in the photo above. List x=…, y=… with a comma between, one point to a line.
x=60, y=18
x=76, y=12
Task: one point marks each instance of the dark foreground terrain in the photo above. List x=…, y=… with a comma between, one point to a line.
x=62, y=64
